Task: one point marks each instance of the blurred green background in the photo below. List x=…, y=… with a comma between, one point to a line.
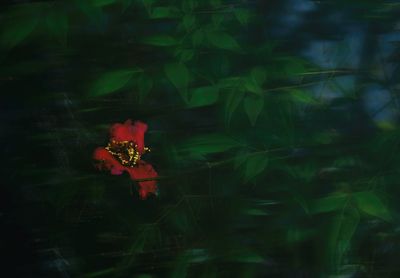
x=274, y=127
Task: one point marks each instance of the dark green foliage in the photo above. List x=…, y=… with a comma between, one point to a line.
x=272, y=162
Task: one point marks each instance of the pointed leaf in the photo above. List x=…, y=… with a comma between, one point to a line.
x=204, y=96
x=179, y=76
x=370, y=203
x=255, y=165
x=253, y=106
x=223, y=40
x=111, y=82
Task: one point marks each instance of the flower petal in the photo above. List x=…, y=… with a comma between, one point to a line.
x=129, y=132
x=144, y=171
x=107, y=161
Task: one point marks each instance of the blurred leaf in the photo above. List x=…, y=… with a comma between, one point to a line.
x=331, y=203
x=57, y=23
x=160, y=40
x=343, y=229
x=15, y=31
x=111, y=82
x=233, y=101
x=255, y=212
x=179, y=76
x=255, y=165
x=242, y=15
x=253, y=106
x=245, y=256
x=181, y=266
x=188, y=5
x=164, y=12
x=369, y=203
x=198, y=37
x=240, y=159
x=101, y=3
x=204, y=96
x=126, y=4
x=145, y=84
x=184, y=55
x=100, y=273
x=208, y=144
x=188, y=21
x=223, y=40
x=302, y=96
x=147, y=4
x=259, y=75
x=215, y=3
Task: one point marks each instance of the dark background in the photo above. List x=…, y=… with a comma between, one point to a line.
x=274, y=128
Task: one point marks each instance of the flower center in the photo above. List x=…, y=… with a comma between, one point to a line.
x=125, y=151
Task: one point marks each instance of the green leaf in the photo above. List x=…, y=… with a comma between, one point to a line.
x=232, y=103
x=147, y=4
x=164, y=12
x=245, y=256
x=240, y=159
x=255, y=165
x=102, y=3
x=181, y=266
x=302, y=96
x=184, y=55
x=188, y=6
x=223, y=40
x=370, y=203
x=57, y=24
x=242, y=15
x=145, y=84
x=204, y=96
x=208, y=144
x=252, y=86
x=215, y=3
x=253, y=106
x=342, y=231
x=160, y=40
x=259, y=75
x=198, y=37
x=179, y=76
x=14, y=32
x=111, y=82
x=331, y=203
x=188, y=21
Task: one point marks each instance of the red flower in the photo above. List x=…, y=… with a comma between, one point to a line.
x=123, y=153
